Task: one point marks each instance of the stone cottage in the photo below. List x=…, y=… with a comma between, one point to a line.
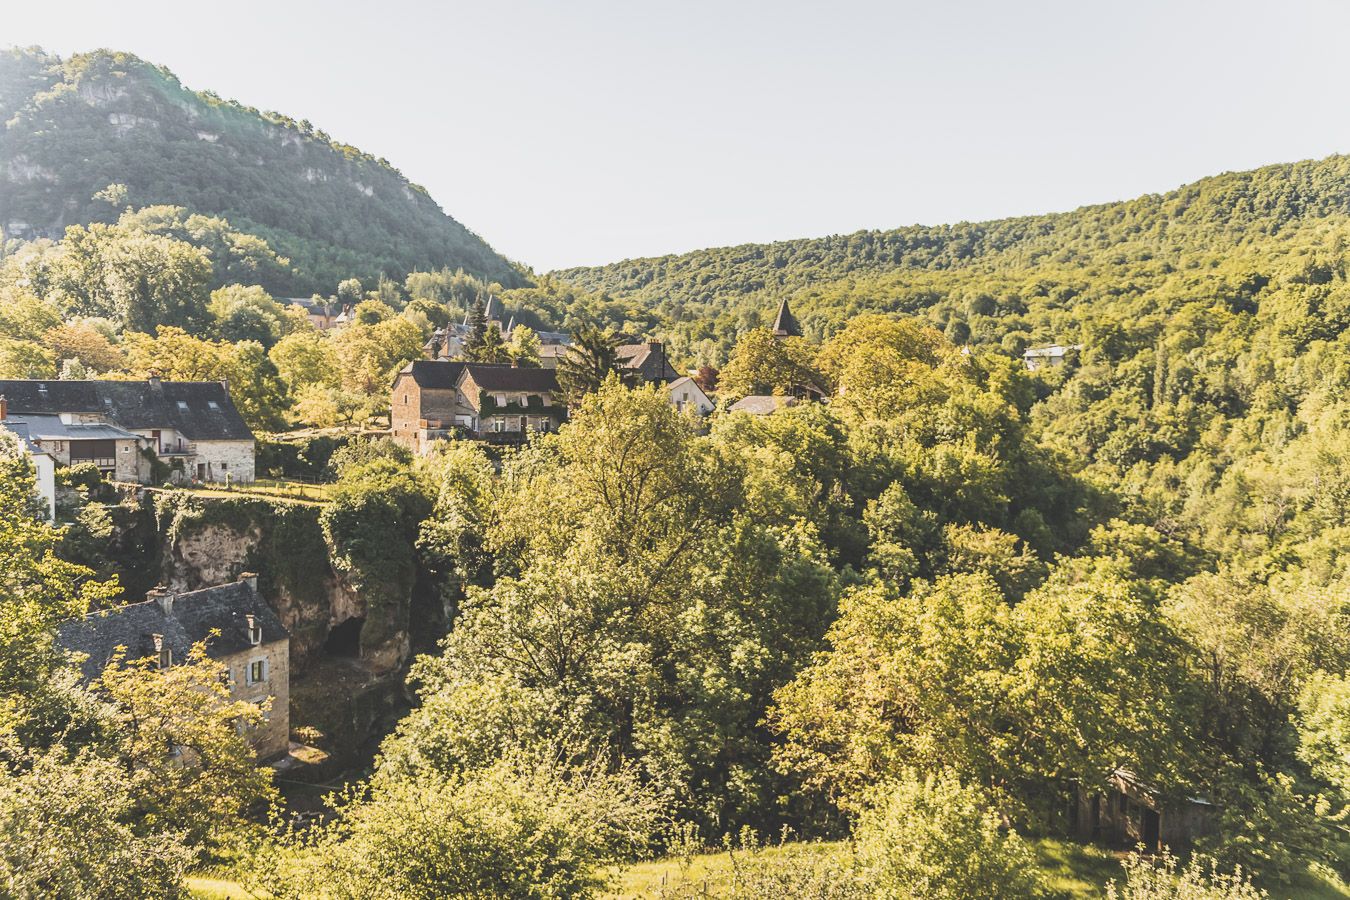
x=240, y=631
x=191, y=427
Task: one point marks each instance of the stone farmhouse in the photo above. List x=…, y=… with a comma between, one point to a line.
x=192, y=427
x=238, y=627
x=435, y=399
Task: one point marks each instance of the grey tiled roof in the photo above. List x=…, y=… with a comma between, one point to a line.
x=438, y=374
x=195, y=615
x=20, y=430
x=762, y=404
x=648, y=360
x=184, y=406
x=513, y=378
x=51, y=428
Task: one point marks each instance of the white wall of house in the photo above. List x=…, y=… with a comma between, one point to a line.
x=221, y=461
x=687, y=396
x=45, y=468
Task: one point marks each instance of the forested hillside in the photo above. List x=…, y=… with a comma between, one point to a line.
x=71, y=128
x=1010, y=270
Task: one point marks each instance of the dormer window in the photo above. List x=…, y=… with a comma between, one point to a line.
x=162, y=651
x=500, y=398
x=254, y=630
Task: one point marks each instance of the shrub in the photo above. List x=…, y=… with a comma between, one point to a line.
x=523, y=827
x=1161, y=878
x=935, y=838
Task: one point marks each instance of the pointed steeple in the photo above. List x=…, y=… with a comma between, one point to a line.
x=786, y=323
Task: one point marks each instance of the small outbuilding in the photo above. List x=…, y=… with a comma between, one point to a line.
x=1132, y=813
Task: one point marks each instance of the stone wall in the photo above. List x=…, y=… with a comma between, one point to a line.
x=222, y=459
x=273, y=738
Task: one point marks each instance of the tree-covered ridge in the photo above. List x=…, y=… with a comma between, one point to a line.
x=731, y=286
x=73, y=127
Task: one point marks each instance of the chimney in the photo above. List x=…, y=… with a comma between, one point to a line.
x=163, y=596
x=4, y=408
x=154, y=380
x=250, y=579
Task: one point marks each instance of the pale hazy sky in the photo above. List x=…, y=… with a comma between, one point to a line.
x=578, y=132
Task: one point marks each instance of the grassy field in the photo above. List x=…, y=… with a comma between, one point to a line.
x=1072, y=872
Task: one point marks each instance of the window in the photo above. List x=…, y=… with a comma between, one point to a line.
x=213, y=404
x=405, y=399
x=165, y=658
x=546, y=400
x=224, y=466
x=254, y=630
x=256, y=672
x=182, y=405
x=227, y=677
x=500, y=398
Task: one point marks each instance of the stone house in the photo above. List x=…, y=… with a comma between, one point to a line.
x=123, y=427
x=432, y=400
x=238, y=627
x=511, y=402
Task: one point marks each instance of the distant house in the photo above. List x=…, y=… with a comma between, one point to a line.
x=435, y=399
x=1043, y=357
x=240, y=631
x=762, y=404
x=44, y=467
x=686, y=396
x=647, y=362
x=321, y=314
x=1133, y=812
x=191, y=426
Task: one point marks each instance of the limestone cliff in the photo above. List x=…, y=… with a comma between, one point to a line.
x=205, y=541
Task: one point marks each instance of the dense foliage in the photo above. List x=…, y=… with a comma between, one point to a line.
x=71, y=128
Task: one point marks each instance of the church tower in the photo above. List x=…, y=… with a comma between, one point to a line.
x=786, y=323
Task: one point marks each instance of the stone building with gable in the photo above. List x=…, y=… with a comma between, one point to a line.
x=192, y=427
x=432, y=400
x=238, y=627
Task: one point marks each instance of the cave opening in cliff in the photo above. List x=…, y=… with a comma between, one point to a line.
x=344, y=638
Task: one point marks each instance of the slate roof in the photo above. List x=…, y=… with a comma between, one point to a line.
x=785, y=323
x=184, y=406
x=51, y=428
x=513, y=378
x=20, y=430
x=438, y=374
x=762, y=404
x=195, y=614
x=648, y=360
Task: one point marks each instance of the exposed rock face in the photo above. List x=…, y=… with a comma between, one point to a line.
x=207, y=541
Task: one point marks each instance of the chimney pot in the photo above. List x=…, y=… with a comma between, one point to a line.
x=163, y=596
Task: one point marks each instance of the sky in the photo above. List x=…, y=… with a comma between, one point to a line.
x=590, y=131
